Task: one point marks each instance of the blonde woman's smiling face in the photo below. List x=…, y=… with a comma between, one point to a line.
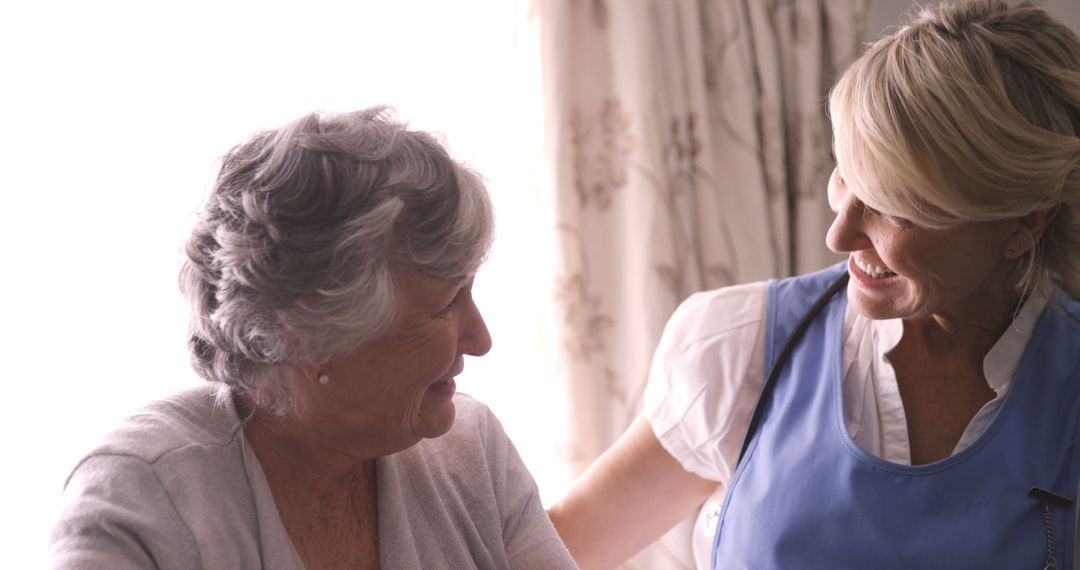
x=899, y=270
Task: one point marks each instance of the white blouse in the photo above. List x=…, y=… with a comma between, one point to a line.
x=708, y=371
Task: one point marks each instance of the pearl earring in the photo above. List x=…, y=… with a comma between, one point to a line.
x=324, y=379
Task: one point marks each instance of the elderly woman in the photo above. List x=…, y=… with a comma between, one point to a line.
x=330, y=275
x=924, y=402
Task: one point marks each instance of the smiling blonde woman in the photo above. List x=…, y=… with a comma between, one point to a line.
x=916, y=406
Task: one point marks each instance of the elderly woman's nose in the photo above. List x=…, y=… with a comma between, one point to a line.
x=475, y=338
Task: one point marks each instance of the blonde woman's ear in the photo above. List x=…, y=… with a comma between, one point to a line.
x=1028, y=231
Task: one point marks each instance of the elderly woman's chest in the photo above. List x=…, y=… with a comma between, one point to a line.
x=344, y=536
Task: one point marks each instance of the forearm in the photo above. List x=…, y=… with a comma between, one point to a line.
x=627, y=499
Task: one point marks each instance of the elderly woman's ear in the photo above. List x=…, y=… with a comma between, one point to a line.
x=1027, y=231
x=315, y=374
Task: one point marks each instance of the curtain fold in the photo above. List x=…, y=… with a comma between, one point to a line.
x=688, y=149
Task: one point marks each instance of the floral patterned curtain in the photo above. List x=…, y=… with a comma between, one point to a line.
x=688, y=149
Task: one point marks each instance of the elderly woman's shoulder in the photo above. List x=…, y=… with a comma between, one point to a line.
x=474, y=463
x=171, y=474
x=195, y=417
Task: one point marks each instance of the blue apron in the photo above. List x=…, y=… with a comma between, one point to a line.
x=806, y=496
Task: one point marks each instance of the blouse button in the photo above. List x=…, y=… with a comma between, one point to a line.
x=712, y=518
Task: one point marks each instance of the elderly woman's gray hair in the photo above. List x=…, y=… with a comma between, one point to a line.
x=294, y=256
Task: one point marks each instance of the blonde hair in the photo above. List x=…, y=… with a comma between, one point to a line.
x=970, y=113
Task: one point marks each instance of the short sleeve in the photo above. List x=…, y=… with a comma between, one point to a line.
x=706, y=377
x=117, y=515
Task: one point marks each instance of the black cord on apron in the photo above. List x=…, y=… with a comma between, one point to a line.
x=785, y=354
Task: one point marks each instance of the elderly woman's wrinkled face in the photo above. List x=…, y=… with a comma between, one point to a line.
x=902, y=271
x=398, y=389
